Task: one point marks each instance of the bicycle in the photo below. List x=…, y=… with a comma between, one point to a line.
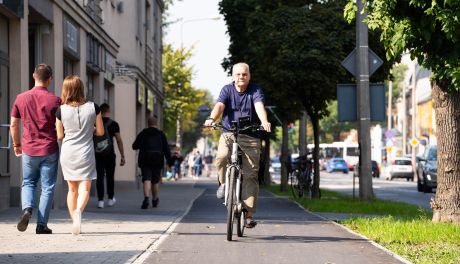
x=300, y=179
x=234, y=181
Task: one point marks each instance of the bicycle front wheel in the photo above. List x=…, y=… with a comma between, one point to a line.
x=230, y=203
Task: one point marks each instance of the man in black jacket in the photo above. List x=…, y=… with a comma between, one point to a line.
x=153, y=149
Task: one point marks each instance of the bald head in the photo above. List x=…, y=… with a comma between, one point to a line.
x=241, y=76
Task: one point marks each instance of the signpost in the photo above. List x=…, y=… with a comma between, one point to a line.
x=362, y=63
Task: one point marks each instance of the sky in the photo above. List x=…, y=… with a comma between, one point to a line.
x=195, y=26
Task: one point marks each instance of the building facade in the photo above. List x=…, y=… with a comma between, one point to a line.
x=113, y=45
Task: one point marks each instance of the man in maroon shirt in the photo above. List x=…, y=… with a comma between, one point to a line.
x=36, y=109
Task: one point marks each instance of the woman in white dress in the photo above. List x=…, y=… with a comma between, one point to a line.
x=77, y=120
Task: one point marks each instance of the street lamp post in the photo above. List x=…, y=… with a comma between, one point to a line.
x=189, y=21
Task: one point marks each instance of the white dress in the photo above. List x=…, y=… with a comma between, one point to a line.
x=77, y=151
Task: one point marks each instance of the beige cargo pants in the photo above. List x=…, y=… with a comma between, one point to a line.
x=251, y=156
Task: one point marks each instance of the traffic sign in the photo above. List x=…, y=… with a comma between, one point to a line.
x=349, y=62
x=346, y=98
x=414, y=142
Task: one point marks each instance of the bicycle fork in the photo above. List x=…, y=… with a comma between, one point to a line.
x=234, y=163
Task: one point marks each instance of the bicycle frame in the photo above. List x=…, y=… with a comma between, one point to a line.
x=234, y=163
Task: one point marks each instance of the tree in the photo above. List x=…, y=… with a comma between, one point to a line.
x=182, y=100
x=330, y=126
x=429, y=30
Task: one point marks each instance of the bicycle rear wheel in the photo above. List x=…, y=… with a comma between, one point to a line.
x=230, y=203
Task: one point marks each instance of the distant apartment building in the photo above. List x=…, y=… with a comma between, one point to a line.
x=423, y=112
x=113, y=45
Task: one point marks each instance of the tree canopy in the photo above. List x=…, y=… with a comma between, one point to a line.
x=430, y=32
x=181, y=98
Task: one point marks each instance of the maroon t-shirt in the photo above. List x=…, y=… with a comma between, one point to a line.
x=37, y=108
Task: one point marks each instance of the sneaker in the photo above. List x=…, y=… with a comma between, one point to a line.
x=111, y=202
x=145, y=203
x=221, y=192
x=76, y=226
x=100, y=204
x=43, y=229
x=155, y=202
x=24, y=220
x=250, y=223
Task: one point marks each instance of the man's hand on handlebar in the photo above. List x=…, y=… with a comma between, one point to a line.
x=266, y=126
x=209, y=122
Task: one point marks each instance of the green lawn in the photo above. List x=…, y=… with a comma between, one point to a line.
x=402, y=228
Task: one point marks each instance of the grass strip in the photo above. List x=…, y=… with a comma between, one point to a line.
x=402, y=228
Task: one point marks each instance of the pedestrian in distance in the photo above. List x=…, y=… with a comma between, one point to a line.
x=37, y=147
x=198, y=164
x=153, y=149
x=191, y=163
x=77, y=120
x=106, y=158
x=238, y=99
x=177, y=161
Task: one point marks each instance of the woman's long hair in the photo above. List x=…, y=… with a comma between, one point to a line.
x=73, y=91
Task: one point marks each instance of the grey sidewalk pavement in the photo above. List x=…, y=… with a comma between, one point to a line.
x=118, y=234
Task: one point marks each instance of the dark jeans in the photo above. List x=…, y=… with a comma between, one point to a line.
x=105, y=167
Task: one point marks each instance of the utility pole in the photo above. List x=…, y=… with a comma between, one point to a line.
x=414, y=112
x=390, y=95
x=364, y=113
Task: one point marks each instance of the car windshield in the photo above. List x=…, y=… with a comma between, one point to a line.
x=338, y=160
x=402, y=162
x=275, y=160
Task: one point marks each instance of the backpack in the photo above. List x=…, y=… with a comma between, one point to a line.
x=103, y=145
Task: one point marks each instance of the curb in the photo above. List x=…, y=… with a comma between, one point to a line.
x=396, y=256
x=157, y=242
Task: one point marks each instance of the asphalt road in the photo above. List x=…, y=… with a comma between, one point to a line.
x=285, y=234
x=396, y=190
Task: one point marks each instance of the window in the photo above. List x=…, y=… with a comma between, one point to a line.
x=94, y=10
x=94, y=54
x=90, y=87
x=71, y=38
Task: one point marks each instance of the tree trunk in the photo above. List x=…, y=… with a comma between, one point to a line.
x=446, y=205
x=264, y=164
x=284, y=153
x=267, y=176
x=315, y=191
x=179, y=131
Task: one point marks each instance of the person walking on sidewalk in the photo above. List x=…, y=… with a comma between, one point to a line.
x=153, y=149
x=38, y=147
x=106, y=158
x=237, y=99
x=76, y=119
x=177, y=161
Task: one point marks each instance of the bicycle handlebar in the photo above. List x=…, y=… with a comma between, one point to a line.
x=254, y=128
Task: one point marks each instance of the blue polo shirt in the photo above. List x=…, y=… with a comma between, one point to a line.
x=240, y=104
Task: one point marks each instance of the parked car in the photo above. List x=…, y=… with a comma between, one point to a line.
x=427, y=170
x=337, y=164
x=275, y=165
x=374, y=167
x=401, y=168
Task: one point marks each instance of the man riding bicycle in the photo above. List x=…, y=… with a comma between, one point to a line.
x=237, y=99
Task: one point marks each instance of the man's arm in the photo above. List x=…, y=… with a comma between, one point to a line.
x=215, y=114
x=14, y=130
x=262, y=114
x=120, y=148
